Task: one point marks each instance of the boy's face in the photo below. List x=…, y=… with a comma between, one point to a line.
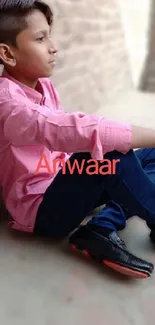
x=34, y=56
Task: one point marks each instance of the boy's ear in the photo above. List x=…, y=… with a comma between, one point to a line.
x=6, y=55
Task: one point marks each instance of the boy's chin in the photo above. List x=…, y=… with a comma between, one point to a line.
x=49, y=73
x=46, y=74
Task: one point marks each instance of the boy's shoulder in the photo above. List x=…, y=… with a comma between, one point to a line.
x=9, y=89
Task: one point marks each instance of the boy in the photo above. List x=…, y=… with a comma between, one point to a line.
x=33, y=124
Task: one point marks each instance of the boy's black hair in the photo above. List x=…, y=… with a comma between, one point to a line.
x=13, y=14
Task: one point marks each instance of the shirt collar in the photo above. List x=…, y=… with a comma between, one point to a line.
x=31, y=93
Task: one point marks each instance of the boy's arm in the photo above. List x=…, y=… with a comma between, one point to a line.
x=142, y=137
x=71, y=132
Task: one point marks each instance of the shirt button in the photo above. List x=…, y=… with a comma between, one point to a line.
x=37, y=101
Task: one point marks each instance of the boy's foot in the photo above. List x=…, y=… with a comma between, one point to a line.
x=111, y=251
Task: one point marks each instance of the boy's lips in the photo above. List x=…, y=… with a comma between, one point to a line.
x=52, y=62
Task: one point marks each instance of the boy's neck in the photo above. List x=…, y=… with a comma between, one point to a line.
x=30, y=83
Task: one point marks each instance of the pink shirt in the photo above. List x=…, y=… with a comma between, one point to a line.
x=33, y=123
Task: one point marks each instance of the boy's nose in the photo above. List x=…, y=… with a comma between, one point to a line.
x=53, y=49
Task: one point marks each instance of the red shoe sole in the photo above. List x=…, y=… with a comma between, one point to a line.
x=125, y=270
x=116, y=267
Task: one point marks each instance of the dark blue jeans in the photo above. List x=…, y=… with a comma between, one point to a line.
x=71, y=197
x=113, y=215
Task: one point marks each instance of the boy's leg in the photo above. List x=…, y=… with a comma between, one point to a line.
x=70, y=198
x=147, y=159
x=113, y=215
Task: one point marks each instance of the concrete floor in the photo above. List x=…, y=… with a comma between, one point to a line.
x=45, y=283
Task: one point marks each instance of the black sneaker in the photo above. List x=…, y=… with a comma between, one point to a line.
x=111, y=251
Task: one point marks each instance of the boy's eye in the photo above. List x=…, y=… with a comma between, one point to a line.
x=40, y=39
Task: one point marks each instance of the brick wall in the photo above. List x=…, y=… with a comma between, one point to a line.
x=135, y=16
x=148, y=74
x=92, y=66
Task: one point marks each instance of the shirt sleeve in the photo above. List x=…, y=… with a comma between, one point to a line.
x=66, y=132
